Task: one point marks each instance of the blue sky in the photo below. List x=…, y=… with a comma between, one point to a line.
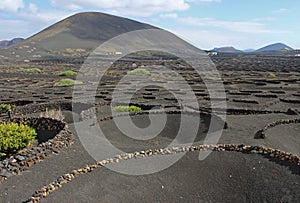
x=205, y=23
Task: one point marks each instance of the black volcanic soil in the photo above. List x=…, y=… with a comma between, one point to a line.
x=243, y=178
x=222, y=177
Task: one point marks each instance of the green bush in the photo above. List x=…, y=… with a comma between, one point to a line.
x=4, y=108
x=14, y=137
x=33, y=70
x=271, y=75
x=67, y=82
x=139, y=71
x=127, y=109
x=68, y=73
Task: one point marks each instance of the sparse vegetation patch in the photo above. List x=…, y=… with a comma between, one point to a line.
x=67, y=82
x=33, y=70
x=68, y=73
x=4, y=108
x=271, y=75
x=131, y=109
x=139, y=71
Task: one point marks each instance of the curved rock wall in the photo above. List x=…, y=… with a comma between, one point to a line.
x=66, y=178
x=24, y=159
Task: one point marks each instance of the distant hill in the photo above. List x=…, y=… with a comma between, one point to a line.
x=275, y=47
x=6, y=43
x=75, y=36
x=271, y=49
x=228, y=49
x=248, y=50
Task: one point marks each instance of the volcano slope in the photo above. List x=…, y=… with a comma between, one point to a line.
x=73, y=37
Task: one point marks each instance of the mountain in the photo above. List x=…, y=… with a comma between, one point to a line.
x=275, y=47
x=75, y=36
x=3, y=43
x=228, y=49
x=6, y=43
x=267, y=49
x=248, y=50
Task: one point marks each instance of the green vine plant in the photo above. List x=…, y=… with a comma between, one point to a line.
x=14, y=137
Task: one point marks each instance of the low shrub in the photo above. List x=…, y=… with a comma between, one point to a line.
x=14, y=137
x=186, y=75
x=271, y=75
x=67, y=82
x=127, y=109
x=139, y=71
x=54, y=113
x=4, y=108
x=33, y=70
x=68, y=73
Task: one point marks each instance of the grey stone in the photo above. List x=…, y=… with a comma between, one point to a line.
x=5, y=173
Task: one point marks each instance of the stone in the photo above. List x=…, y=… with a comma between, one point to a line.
x=20, y=158
x=5, y=173
x=30, y=163
x=292, y=112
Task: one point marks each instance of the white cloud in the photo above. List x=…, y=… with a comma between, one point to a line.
x=205, y=39
x=203, y=1
x=169, y=15
x=33, y=8
x=208, y=39
x=236, y=26
x=11, y=6
x=268, y=19
x=14, y=28
x=46, y=17
x=29, y=21
x=125, y=7
x=282, y=10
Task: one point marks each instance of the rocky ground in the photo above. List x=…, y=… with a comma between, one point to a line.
x=263, y=105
